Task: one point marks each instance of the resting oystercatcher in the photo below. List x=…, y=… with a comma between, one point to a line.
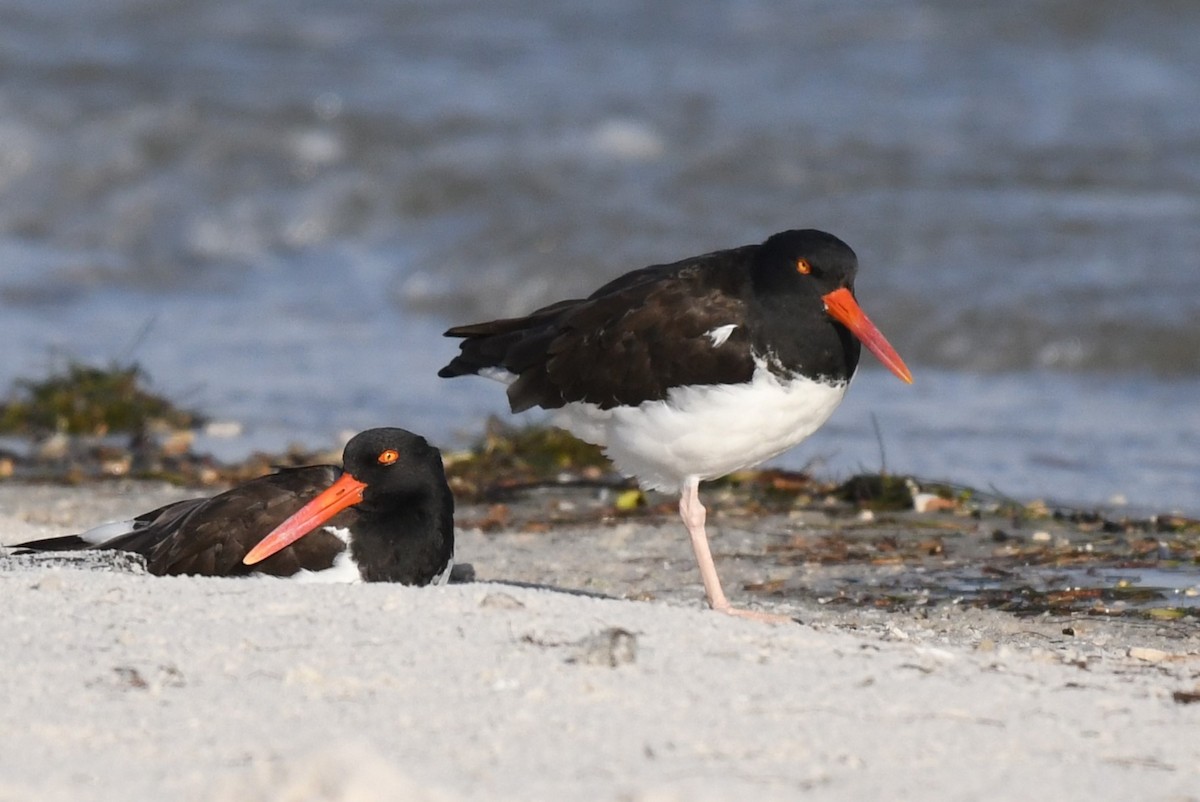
x=692, y=370
x=386, y=516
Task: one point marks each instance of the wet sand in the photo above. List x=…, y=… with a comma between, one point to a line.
x=579, y=665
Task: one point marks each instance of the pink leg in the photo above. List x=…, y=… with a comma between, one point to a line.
x=693, y=514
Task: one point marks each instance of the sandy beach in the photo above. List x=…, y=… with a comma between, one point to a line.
x=579, y=665
x=236, y=232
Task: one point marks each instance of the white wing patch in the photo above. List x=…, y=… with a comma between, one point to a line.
x=105, y=532
x=497, y=374
x=720, y=334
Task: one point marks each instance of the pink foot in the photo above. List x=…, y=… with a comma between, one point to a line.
x=756, y=615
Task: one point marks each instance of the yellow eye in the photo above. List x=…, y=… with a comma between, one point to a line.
x=803, y=267
x=389, y=456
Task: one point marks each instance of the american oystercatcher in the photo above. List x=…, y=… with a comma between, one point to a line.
x=387, y=515
x=692, y=370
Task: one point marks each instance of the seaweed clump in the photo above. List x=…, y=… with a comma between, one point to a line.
x=510, y=457
x=92, y=401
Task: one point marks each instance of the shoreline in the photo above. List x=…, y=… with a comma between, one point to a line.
x=579, y=664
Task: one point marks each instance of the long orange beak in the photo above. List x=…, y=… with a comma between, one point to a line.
x=842, y=307
x=345, y=492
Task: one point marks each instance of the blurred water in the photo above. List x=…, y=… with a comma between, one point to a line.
x=277, y=206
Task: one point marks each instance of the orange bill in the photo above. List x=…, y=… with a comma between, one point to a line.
x=842, y=307
x=345, y=492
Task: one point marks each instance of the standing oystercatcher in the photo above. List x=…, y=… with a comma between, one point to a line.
x=689, y=371
x=386, y=516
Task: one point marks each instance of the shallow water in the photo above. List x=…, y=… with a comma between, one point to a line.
x=277, y=207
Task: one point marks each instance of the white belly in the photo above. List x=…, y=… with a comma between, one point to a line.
x=705, y=431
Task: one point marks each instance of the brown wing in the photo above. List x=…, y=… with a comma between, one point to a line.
x=211, y=536
x=631, y=341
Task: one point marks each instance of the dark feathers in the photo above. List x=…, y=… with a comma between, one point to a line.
x=210, y=536
x=402, y=529
x=630, y=341
x=653, y=329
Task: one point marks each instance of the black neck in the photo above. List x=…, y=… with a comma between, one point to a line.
x=793, y=343
x=406, y=538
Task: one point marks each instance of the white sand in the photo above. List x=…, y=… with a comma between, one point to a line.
x=121, y=686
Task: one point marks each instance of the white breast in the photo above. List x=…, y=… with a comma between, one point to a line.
x=344, y=569
x=706, y=431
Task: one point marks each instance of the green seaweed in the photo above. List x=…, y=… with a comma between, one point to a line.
x=509, y=456
x=86, y=400
x=877, y=491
